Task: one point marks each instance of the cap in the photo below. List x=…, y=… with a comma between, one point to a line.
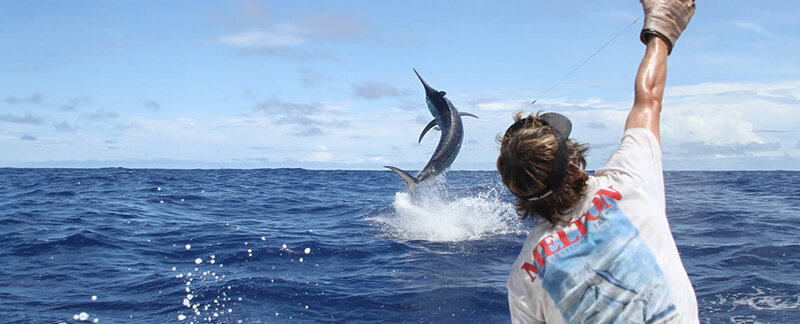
x=562, y=127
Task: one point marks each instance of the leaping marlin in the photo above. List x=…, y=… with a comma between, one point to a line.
x=448, y=120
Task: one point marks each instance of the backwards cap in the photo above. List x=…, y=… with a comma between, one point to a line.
x=562, y=127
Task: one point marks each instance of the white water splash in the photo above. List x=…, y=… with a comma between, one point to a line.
x=434, y=216
x=197, y=303
x=760, y=299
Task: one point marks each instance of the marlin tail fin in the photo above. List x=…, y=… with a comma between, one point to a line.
x=410, y=180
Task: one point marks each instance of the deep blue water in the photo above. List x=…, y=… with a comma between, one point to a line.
x=290, y=245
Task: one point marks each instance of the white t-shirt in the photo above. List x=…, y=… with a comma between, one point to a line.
x=615, y=260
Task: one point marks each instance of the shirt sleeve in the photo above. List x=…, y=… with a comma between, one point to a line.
x=637, y=162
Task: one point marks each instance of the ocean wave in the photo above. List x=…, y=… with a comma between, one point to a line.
x=344, y=246
x=70, y=242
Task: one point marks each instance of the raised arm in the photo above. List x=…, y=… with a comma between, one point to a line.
x=649, y=88
x=664, y=21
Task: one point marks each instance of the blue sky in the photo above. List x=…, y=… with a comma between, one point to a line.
x=329, y=84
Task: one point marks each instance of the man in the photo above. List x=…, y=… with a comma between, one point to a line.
x=603, y=251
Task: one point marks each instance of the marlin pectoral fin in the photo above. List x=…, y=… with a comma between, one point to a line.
x=427, y=128
x=467, y=114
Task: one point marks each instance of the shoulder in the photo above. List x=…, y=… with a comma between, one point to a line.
x=638, y=157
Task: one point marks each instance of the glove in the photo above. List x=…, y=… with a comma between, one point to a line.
x=666, y=19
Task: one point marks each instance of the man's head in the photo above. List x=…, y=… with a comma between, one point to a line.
x=540, y=165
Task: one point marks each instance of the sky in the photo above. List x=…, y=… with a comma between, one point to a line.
x=330, y=85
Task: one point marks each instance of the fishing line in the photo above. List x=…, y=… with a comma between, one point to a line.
x=586, y=60
x=570, y=72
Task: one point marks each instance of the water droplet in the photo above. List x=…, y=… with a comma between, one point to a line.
x=198, y=261
x=94, y=297
x=181, y=317
x=307, y=251
x=188, y=246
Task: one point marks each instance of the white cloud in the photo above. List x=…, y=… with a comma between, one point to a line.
x=731, y=120
x=320, y=157
x=151, y=104
x=501, y=105
x=701, y=123
x=333, y=25
x=280, y=35
x=262, y=33
x=713, y=126
x=593, y=103
x=27, y=119
x=767, y=89
x=729, y=113
x=377, y=90
x=34, y=99
x=100, y=114
x=754, y=27
x=66, y=127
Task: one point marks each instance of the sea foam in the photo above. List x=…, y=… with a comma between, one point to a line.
x=435, y=214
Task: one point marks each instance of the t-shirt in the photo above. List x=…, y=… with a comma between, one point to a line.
x=614, y=260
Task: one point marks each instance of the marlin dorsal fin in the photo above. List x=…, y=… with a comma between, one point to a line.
x=467, y=114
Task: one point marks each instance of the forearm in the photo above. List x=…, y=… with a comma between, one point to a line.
x=649, y=88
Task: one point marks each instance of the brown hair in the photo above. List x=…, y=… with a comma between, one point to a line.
x=527, y=156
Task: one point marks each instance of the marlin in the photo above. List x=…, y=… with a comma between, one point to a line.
x=447, y=119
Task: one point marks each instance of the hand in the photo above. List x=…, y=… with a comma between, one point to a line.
x=666, y=19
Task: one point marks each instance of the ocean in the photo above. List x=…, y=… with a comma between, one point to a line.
x=290, y=245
